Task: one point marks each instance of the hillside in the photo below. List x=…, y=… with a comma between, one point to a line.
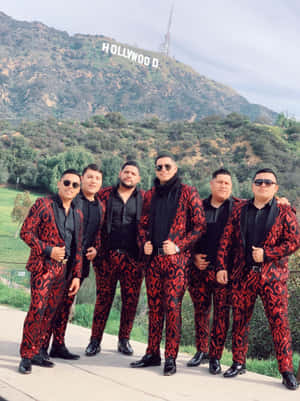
x=45, y=72
x=34, y=153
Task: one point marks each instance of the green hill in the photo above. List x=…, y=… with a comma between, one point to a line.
x=45, y=72
x=34, y=153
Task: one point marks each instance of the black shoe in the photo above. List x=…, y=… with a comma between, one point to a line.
x=93, y=348
x=147, y=360
x=170, y=366
x=235, y=369
x=25, y=366
x=199, y=357
x=61, y=351
x=124, y=346
x=40, y=361
x=214, y=366
x=44, y=354
x=289, y=380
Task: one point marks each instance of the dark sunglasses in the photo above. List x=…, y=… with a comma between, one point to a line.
x=67, y=183
x=159, y=167
x=265, y=181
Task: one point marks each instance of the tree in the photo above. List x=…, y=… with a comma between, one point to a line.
x=21, y=208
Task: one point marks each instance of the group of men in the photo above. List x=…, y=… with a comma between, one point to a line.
x=223, y=248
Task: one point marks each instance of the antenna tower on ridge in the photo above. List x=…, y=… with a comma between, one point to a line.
x=165, y=46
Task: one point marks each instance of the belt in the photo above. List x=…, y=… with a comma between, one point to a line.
x=158, y=251
x=256, y=269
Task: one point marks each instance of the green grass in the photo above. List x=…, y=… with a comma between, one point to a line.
x=13, y=251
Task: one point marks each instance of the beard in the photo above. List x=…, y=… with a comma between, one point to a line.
x=128, y=186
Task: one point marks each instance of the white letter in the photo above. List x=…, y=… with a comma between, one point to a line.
x=155, y=62
x=105, y=47
x=140, y=59
x=147, y=60
x=129, y=53
x=113, y=49
x=133, y=56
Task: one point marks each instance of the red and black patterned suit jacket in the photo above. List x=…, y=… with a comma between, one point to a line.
x=189, y=222
x=40, y=230
x=106, y=199
x=282, y=239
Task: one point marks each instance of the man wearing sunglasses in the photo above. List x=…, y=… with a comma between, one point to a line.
x=118, y=259
x=53, y=231
x=93, y=215
x=261, y=234
x=172, y=220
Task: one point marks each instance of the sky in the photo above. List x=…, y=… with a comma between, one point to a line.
x=250, y=45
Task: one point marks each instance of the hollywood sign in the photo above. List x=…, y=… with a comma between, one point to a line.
x=139, y=58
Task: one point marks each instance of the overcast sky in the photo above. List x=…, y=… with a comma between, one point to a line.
x=249, y=45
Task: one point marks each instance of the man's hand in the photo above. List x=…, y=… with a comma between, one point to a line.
x=91, y=253
x=169, y=247
x=58, y=253
x=257, y=254
x=200, y=262
x=148, y=248
x=222, y=277
x=283, y=201
x=74, y=287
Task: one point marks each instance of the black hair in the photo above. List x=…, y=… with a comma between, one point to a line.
x=70, y=171
x=266, y=170
x=130, y=163
x=93, y=167
x=221, y=171
x=165, y=154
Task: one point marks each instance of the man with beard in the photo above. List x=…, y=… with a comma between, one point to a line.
x=93, y=215
x=119, y=258
x=53, y=231
x=261, y=234
x=171, y=221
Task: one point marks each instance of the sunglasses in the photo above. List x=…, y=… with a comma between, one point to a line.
x=265, y=181
x=159, y=167
x=67, y=183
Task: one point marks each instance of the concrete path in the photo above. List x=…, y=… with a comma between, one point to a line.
x=108, y=377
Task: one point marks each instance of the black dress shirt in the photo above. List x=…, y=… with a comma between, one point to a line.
x=256, y=228
x=123, y=225
x=216, y=219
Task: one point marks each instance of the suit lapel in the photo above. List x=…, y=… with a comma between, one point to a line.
x=273, y=213
x=243, y=223
x=58, y=223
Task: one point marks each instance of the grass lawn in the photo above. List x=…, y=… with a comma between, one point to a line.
x=13, y=251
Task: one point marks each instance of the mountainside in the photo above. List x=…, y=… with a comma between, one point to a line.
x=46, y=72
x=34, y=154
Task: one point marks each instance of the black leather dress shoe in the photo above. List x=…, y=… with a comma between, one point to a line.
x=289, y=380
x=93, y=348
x=40, y=361
x=235, y=369
x=199, y=357
x=25, y=366
x=147, y=360
x=44, y=354
x=170, y=367
x=124, y=346
x=214, y=366
x=61, y=351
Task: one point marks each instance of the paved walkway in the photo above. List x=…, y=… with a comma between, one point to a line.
x=108, y=377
